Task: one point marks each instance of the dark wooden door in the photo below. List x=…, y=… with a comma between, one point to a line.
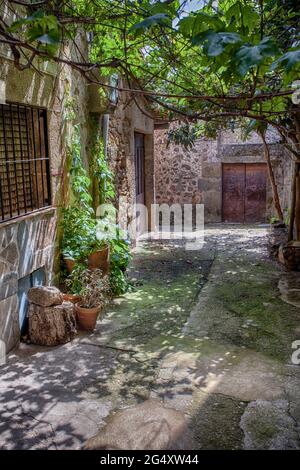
x=256, y=192
x=139, y=168
x=244, y=192
x=233, y=192
x=139, y=163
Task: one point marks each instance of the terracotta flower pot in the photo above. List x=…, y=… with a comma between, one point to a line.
x=99, y=260
x=71, y=298
x=70, y=263
x=87, y=317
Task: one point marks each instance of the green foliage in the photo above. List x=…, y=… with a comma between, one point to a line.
x=249, y=56
x=82, y=232
x=79, y=233
x=91, y=285
x=42, y=28
x=73, y=282
x=158, y=19
x=102, y=173
x=184, y=135
x=120, y=256
x=215, y=43
x=119, y=260
x=289, y=61
x=80, y=181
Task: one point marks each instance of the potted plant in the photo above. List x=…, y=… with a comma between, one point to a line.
x=73, y=284
x=98, y=257
x=94, y=290
x=79, y=229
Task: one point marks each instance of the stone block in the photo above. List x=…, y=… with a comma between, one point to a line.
x=8, y=285
x=212, y=201
x=163, y=428
x=45, y=296
x=211, y=170
x=10, y=254
x=9, y=321
x=207, y=184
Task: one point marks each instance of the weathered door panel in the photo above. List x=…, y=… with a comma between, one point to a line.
x=233, y=192
x=255, y=194
x=244, y=192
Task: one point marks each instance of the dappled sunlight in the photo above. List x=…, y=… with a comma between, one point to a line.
x=147, y=344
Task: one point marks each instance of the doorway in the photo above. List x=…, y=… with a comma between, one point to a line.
x=139, y=164
x=244, y=191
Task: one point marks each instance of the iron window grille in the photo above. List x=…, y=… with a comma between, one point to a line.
x=24, y=160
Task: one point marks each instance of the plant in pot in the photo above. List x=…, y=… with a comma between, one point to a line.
x=99, y=248
x=78, y=230
x=73, y=284
x=94, y=290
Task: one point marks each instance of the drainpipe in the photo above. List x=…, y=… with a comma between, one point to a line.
x=105, y=130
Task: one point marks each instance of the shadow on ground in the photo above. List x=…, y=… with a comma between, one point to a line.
x=207, y=333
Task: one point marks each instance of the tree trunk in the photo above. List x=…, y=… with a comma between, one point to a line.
x=295, y=201
x=293, y=204
x=272, y=178
x=297, y=207
x=50, y=326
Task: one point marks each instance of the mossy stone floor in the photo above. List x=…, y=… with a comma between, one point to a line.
x=208, y=333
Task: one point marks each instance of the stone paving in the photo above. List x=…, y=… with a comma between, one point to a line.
x=205, y=338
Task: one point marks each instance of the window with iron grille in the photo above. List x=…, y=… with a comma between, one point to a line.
x=24, y=160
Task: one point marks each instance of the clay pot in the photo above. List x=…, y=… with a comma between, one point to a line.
x=87, y=317
x=70, y=263
x=71, y=298
x=99, y=260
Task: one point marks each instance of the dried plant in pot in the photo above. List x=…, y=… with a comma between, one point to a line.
x=94, y=293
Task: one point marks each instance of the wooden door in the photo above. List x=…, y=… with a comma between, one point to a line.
x=256, y=192
x=244, y=192
x=139, y=168
x=233, y=192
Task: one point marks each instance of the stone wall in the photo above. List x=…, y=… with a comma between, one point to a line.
x=25, y=247
x=195, y=176
x=30, y=242
x=124, y=122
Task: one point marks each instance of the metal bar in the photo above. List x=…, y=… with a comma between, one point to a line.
x=7, y=164
x=21, y=168
x=2, y=198
x=22, y=162
x=26, y=160
x=47, y=160
x=34, y=153
x=28, y=147
x=14, y=154
x=41, y=162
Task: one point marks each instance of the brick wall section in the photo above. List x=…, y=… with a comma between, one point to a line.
x=195, y=176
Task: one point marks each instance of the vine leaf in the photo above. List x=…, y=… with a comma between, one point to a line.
x=215, y=43
x=249, y=56
x=289, y=60
x=157, y=19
